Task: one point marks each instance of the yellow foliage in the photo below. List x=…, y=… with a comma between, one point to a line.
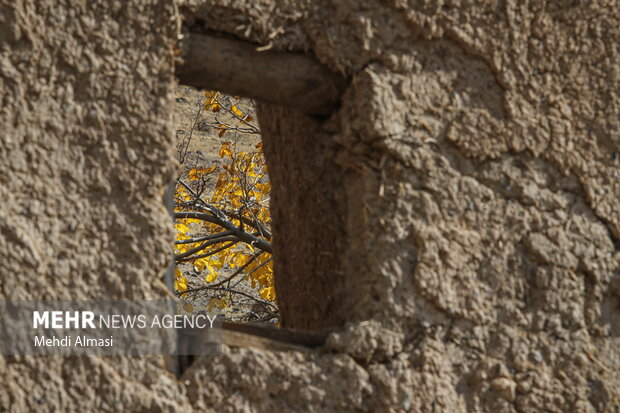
x=198, y=173
x=216, y=262
x=201, y=264
x=212, y=103
x=241, y=260
x=180, y=282
x=182, y=228
x=268, y=293
x=225, y=150
x=242, y=188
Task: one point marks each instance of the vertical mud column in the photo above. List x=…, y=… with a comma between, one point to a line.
x=86, y=91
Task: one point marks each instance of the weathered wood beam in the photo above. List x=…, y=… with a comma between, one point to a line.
x=247, y=333
x=237, y=68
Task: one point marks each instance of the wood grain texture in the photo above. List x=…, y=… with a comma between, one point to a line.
x=237, y=68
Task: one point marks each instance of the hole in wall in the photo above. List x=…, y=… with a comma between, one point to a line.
x=221, y=206
x=222, y=251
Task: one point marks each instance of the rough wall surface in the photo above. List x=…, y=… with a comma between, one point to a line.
x=475, y=229
x=85, y=154
x=477, y=152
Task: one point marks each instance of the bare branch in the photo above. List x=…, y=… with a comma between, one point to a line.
x=208, y=254
x=226, y=224
x=185, y=144
x=205, y=238
x=203, y=246
x=255, y=223
x=223, y=289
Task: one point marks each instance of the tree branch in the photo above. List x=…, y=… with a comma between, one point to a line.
x=204, y=245
x=205, y=238
x=239, y=271
x=224, y=223
x=208, y=287
x=205, y=255
x=256, y=224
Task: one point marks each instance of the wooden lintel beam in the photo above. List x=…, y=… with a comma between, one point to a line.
x=237, y=68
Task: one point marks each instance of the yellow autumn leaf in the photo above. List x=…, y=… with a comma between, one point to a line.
x=222, y=128
x=211, y=103
x=210, y=94
x=242, y=260
x=182, y=228
x=216, y=302
x=202, y=263
x=222, y=180
x=215, y=262
x=268, y=293
x=236, y=111
x=236, y=203
x=229, y=188
x=180, y=284
x=225, y=150
x=198, y=173
x=193, y=174
x=212, y=276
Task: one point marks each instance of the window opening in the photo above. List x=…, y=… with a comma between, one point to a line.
x=222, y=251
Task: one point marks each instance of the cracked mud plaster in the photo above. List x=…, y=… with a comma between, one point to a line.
x=477, y=149
x=86, y=91
x=473, y=168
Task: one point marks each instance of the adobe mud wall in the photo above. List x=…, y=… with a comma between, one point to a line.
x=469, y=211
x=467, y=225
x=86, y=153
